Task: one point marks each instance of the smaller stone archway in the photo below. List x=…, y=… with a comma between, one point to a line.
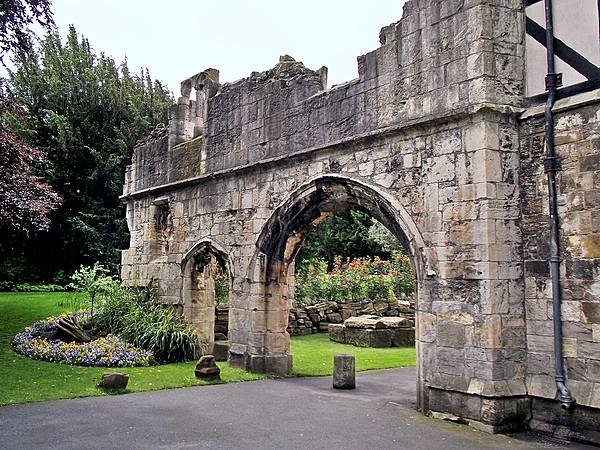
x=198, y=287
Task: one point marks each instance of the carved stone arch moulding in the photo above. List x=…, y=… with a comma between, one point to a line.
x=310, y=204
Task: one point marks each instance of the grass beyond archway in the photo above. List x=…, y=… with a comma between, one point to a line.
x=313, y=356
x=25, y=380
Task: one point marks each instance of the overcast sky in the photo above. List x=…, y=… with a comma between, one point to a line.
x=179, y=38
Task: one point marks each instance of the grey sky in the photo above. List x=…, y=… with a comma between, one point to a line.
x=179, y=38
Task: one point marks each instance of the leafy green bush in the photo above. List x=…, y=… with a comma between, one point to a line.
x=354, y=279
x=12, y=286
x=95, y=281
x=7, y=286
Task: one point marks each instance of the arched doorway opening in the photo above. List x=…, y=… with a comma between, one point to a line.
x=350, y=265
x=206, y=280
x=284, y=233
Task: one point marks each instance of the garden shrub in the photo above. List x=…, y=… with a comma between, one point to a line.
x=354, y=279
x=134, y=315
x=12, y=286
x=95, y=281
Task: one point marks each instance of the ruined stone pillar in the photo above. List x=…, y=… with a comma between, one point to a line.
x=268, y=342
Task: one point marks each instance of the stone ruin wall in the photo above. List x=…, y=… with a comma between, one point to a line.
x=427, y=140
x=577, y=139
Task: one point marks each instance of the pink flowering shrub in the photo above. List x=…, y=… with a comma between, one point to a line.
x=355, y=279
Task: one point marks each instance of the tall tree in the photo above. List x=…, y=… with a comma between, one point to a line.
x=16, y=18
x=86, y=112
x=26, y=200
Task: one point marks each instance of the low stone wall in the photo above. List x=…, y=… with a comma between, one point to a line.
x=317, y=318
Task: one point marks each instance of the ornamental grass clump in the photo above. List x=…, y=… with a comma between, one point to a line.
x=137, y=318
x=134, y=315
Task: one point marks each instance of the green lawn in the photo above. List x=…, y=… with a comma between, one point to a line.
x=25, y=380
x=313, y=355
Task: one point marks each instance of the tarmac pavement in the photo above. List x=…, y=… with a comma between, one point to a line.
x=293, y=413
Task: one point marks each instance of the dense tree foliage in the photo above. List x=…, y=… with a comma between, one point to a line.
x=16, y=18
x=26, y=200
x=348, y=233
x=86, y=113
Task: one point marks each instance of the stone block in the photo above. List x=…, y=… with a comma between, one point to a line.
x=358, y=336
x=403, y=337
x=256, y=364
x=344, y=372
x=323, y=326
x=376, y=322
x=591, y=312
x=581, y=424
x=441, y=168
x=334, y=317
x=277, y=343
x=220, y=350
x=207, y=369
x=347, y=313
x=591, y=243
x=451, y=334
x=113, y=381
x=490, y=332
x=381, y=338
x=278, y=365
x=337, y=333
x=541, y=386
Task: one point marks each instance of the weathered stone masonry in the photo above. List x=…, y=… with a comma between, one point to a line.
x=577, y=136
x=429, y=141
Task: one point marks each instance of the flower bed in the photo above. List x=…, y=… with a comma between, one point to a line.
x=354, y=280
x=106, y=351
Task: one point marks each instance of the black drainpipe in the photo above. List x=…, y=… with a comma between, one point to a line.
x=551, y=166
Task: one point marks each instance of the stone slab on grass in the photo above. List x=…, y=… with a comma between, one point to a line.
x=374, y=331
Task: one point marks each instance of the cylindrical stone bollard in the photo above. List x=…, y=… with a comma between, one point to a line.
x=344, y=376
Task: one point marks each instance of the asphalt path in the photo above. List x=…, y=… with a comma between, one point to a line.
x=293, y=413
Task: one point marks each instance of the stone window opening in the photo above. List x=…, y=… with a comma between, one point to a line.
x=162, y=216
x=163, y=226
